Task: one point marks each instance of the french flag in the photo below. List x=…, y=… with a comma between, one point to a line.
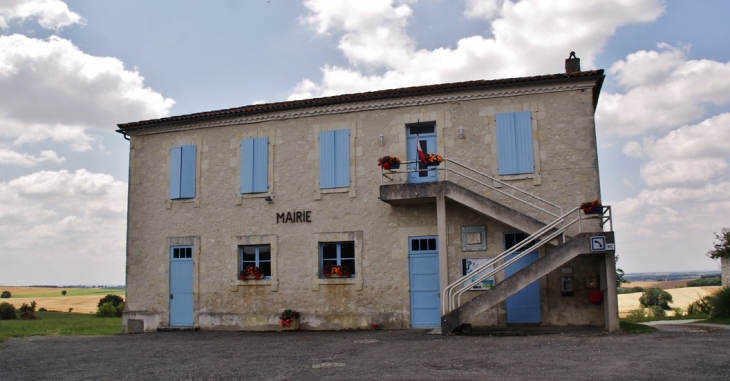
x=421, y=156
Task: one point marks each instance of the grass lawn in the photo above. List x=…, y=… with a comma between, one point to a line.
x=60, y=323
x=632, y=327
x=717, y=321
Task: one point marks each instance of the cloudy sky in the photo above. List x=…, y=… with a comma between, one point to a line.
x=71, y=70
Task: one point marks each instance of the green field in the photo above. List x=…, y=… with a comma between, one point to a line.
x=60, y=323
x=73, y=292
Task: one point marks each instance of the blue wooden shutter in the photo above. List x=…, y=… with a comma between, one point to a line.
x=175, y=167
x=326, y=159
x=342, y=158
x=187, y=173
x=255, y=165
x=514, y=143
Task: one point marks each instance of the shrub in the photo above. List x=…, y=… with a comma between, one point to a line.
x=636, y=314
x=700, y=306
x=109, y=310
x=63, y=292
x=720, y=303
x=678, y=311
x=42, y=309
x=28, y=315
x=637, y=289
x=7, y=311
x=27, y=308
x=657, y=311
x=5, y=294
x=705, y=281
x=655, y=296
x=116, y=300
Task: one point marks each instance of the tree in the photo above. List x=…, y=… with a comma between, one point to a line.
x=722, y=247
x=115, y=300
x=655, y=296
x=619, y=274
x=63, y=292
x=5, y=294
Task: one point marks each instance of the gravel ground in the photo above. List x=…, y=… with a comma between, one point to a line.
x=370, y=355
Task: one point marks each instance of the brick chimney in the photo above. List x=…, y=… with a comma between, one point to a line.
x=572, y=64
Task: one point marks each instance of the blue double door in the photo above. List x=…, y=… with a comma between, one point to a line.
x=423, y=135
x=423, y=260
x=181, y=286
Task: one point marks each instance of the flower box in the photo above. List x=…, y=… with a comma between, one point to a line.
x=594, y=210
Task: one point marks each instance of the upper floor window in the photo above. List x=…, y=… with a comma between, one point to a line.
x=514, y=143
x=182, y=172
x=255, y=165
x=334, y=159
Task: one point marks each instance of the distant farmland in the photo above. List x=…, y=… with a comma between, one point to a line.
x=83, y=300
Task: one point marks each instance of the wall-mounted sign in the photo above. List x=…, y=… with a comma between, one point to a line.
x=468, y=267
x=294, y=217
x=473, y=238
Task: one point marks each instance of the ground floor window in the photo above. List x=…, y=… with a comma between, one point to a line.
x=337, y=258
x=257, y=256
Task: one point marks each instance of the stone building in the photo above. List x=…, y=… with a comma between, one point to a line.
x=725, y=268
x=294, y=188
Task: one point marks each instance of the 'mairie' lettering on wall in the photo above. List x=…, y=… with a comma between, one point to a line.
x=298, y=216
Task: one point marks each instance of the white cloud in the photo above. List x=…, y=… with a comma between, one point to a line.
x=690, y=155
x=8, y=156
x=664, y=91
x=72, y=92
x=374, y=36
x=51, y=14
x=486, y=9
x=61, y=222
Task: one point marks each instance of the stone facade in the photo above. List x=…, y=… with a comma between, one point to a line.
x=725, y=265
x=220, y=219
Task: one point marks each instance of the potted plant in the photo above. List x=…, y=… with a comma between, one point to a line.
x=334, y=271
x=389, y=162
x=592, y=207
x=289, y=319
x=433, y=159
x=250, y=272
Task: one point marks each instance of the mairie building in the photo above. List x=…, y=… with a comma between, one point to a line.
x=475, y=224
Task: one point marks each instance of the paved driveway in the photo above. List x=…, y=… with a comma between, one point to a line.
x=369, y=355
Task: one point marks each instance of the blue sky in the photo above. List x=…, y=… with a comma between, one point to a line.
x=71, y=70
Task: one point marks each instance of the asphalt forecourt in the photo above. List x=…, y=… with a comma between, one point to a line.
x=369, y=355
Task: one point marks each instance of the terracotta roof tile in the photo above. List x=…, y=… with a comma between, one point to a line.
x=371, y=95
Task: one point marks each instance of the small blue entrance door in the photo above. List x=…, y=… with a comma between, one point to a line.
x=524, y=305
x=425, y=136
x=181, y=286
x=423, y=259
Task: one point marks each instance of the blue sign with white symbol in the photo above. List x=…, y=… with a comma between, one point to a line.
x=598, y=243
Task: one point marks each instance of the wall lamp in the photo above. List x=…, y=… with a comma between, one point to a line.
x=461, y=132
x=381, y=140
x=268, y=199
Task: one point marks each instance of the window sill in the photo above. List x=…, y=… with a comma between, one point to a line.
x=261, y=282
x=535, y=176
x=337, y=281
x=169, y=202
x=241, y=196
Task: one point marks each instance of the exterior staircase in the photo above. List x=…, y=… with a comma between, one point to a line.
x=454, y=314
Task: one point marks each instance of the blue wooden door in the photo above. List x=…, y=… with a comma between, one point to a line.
x=423, y=259
x=524, y=305
x=181, y=286
x=425, y=136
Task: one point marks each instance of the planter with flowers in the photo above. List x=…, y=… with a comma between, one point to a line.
x=592, y=207
x=250, y=273
x=389, y=162
x=289, y=320
x=334, y=271
x=433, y=159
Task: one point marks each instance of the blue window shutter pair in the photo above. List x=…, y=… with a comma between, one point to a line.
x=182, y=172
x=255, y=165
x=514, y=143
x=334, y=159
